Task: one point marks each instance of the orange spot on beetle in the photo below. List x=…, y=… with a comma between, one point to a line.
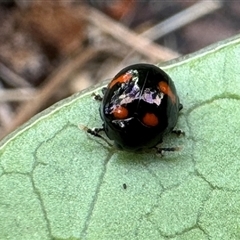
x=164, y=87
x=120, y=112
x=121, y=79
x=150, y=119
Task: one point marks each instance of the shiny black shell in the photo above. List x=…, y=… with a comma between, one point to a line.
x=140, y=105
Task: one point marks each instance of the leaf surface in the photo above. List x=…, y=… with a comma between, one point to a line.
x=57, y=182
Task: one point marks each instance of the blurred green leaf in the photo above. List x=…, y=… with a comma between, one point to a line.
x=57, y=182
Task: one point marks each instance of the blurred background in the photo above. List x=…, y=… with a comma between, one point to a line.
x=51, y=49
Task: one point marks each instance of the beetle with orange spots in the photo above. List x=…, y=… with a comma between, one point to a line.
x=139, y=107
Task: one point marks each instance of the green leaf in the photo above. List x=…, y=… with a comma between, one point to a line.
x=57, y=182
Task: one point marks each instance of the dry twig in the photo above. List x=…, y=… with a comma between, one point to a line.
x=140, y=44
x=52, y=83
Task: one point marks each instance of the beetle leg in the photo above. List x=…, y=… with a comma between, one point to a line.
x=178, y=132
x=95, y=132
x=180, y=107
x=97, y=97
x=170, y=149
